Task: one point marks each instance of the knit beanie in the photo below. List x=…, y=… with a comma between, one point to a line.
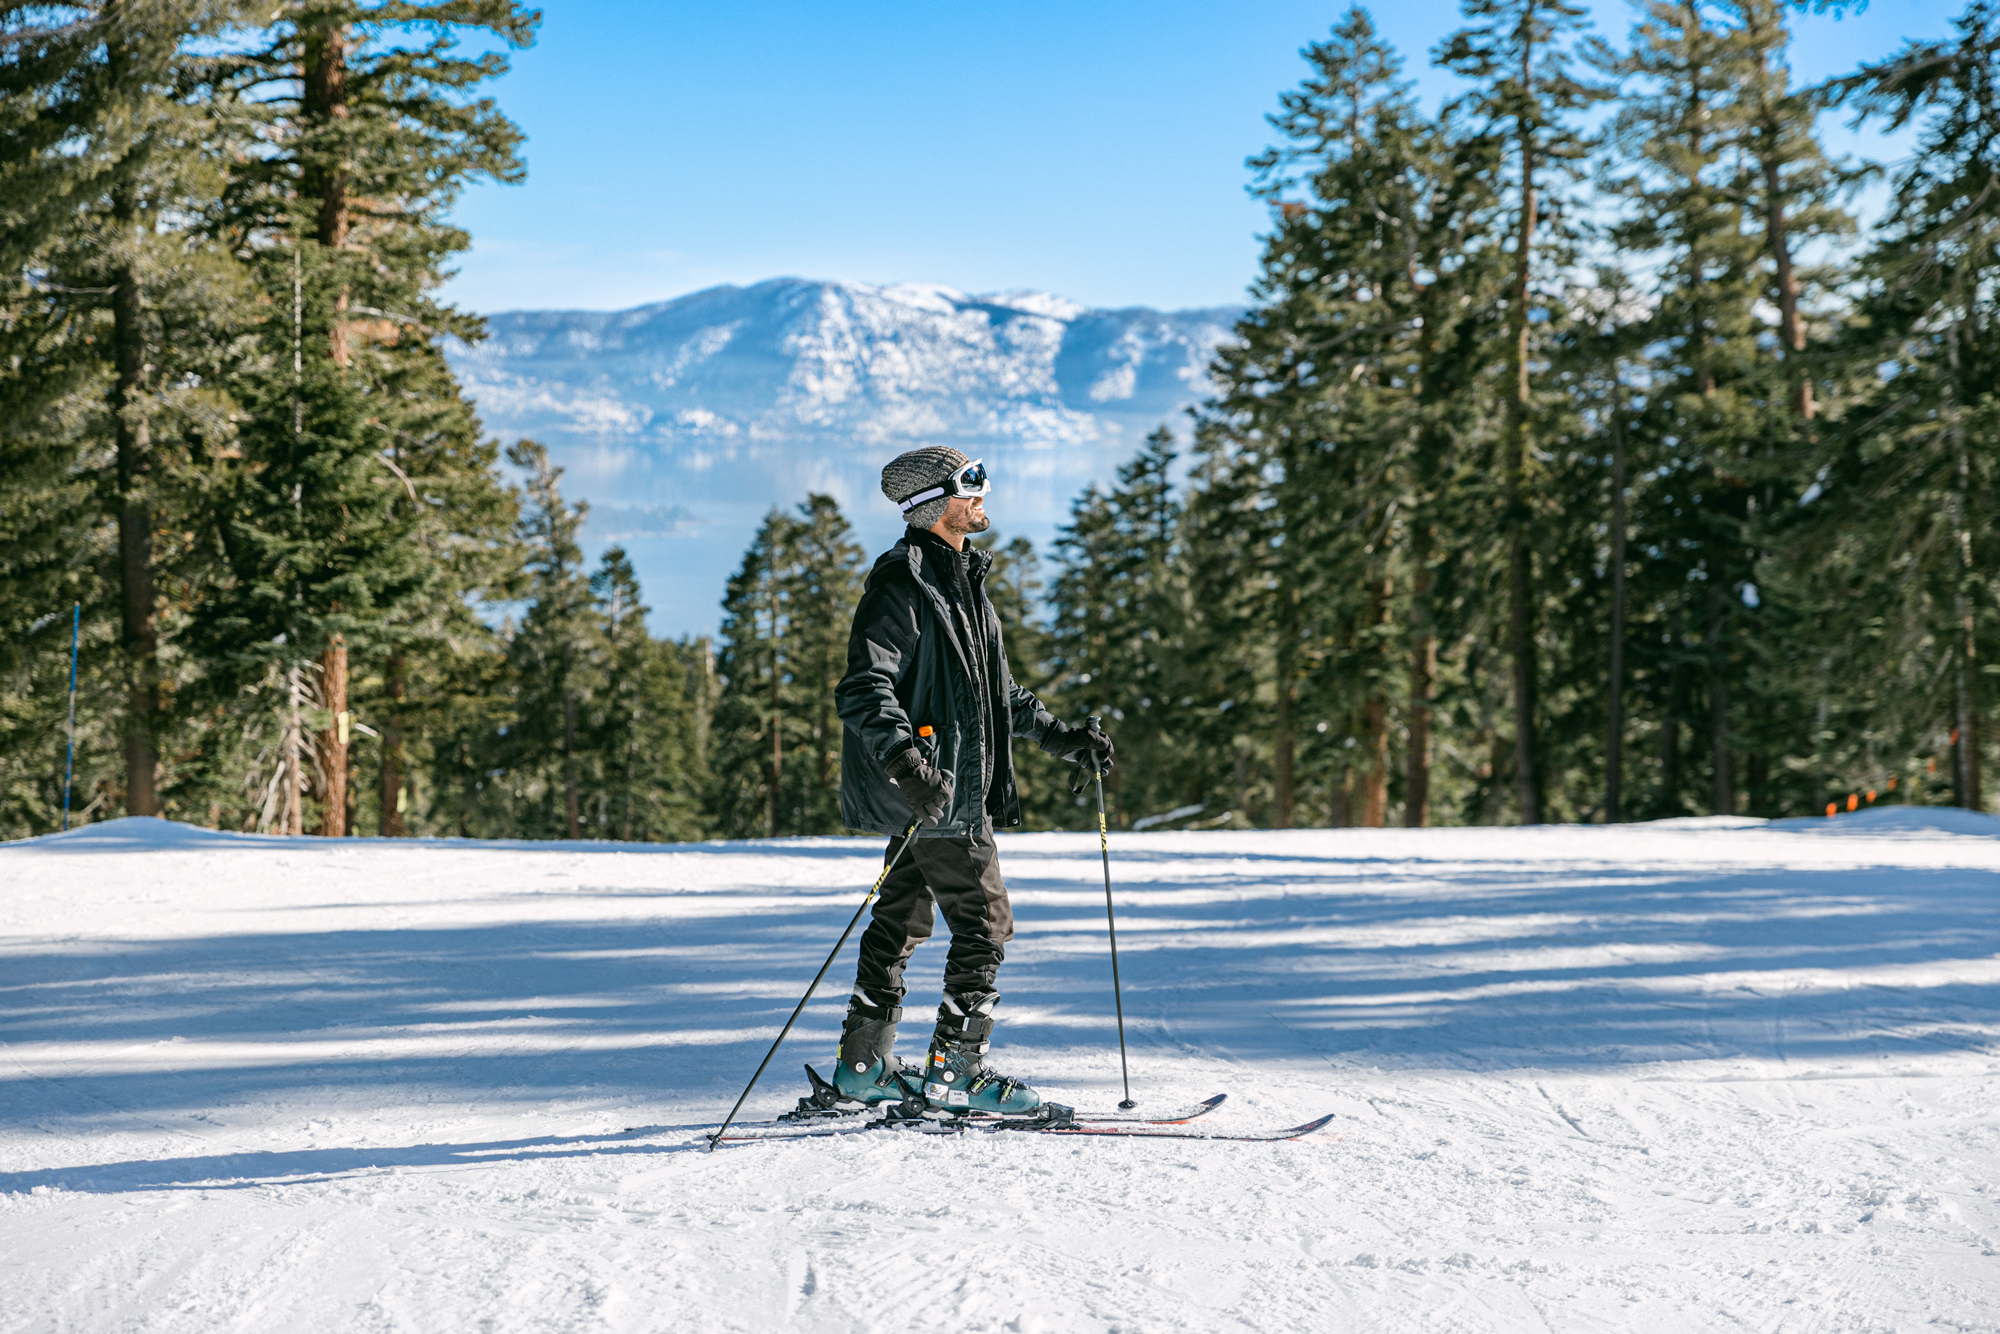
x=920, y=470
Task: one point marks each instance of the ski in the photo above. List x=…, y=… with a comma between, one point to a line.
x=824, y=1103
x=1017, y=1125
x=1176, y=1116
x=1170, y=1132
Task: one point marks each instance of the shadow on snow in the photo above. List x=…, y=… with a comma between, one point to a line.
x=1565, y=966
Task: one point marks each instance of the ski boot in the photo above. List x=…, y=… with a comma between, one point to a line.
x=865, y=1068
x=956, y=1077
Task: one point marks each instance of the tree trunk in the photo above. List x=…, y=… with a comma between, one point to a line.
x=1791, y=325
x=292, y=751
x=1820, y=719
x=391, y=823
x=777, y=718
x=1375, y=780
x=132, y=433
x=1432, y=444
x=1520, y=606
x=138, y=600
x=1423, y=689
x=1284, y=789
x=1282, y=757
x=1965, y=751
x=1723, y=799
x=1375, y=721
x=1499, y=747
x=333, y=690
x=1670, y=747
x=1340, y=805
x=1614, y=749
x=571, y=805
x=1966, y=768
x=325, y=89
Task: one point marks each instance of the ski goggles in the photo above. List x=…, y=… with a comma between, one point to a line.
x=971, y=480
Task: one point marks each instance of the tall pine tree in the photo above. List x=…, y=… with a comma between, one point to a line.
x=1520, y=55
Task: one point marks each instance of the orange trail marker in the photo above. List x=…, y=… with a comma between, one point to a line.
x=1831, y=807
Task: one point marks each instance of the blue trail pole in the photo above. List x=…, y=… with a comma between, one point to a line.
x=69, y=762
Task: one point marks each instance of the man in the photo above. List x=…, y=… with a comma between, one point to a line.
x=930, y=712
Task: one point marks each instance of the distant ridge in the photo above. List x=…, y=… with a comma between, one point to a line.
x=793, y=361
x=685, y=422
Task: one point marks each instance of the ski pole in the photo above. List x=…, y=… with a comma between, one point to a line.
x=909, y=840
x=69, y=761
x=1096, y=724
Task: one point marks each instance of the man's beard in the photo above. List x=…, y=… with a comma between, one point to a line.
x=972, y=521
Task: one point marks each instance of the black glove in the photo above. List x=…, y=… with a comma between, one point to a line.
x=1086, y=745
x=927, y=790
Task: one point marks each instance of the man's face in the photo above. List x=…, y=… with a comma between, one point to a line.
x=965, y=515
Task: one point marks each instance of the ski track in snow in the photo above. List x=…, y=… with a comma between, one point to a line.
x=1694, y=1075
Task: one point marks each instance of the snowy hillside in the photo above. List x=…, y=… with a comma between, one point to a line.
x=1699, y=1075
x=838, y=365
x=686, y=421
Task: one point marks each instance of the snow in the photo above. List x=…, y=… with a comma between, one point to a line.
x=1695, y=1075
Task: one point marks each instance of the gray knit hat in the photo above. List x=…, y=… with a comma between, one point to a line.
x=920, y=470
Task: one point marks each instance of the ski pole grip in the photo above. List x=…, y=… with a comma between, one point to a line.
x=1094, y=723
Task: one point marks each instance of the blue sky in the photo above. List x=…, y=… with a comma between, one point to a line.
x=1091, y=149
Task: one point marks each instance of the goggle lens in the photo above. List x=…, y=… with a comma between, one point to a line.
x=971, y=479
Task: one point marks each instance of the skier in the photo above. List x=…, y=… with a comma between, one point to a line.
x=930, y=711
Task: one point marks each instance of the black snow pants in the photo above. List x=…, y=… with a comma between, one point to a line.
x=961, y=876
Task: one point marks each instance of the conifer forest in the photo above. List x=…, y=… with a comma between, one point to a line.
x=1597, y=447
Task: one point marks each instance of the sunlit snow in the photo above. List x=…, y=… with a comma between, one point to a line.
x=1696, y=1075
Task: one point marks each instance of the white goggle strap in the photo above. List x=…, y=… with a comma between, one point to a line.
x=950, y=488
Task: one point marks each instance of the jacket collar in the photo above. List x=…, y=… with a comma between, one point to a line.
x=923, y=544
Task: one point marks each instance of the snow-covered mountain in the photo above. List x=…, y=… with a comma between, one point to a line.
x=685, y=421
x=830, y=364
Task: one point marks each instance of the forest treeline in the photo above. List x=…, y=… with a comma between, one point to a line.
x=1582, y=457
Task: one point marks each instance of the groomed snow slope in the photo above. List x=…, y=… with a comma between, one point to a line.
x=1699, y=1075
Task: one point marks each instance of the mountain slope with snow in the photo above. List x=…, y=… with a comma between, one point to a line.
x=834, y=365
x=685, y=422
x=1700, y=1076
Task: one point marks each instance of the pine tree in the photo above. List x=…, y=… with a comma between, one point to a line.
x=641, y=721
x=1226, y=532
x=1119, y=613
x=1519, y=53
x=1891, y=553
x=375, y=138
x=555, y=663
x=1787, y=183
x=747, y=752
x=118, y=308
x=1677, y=125
x=1014, y=586
x=1353, y=401
x=786, y=617
x=825, y=576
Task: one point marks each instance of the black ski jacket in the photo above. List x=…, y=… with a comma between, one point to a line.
x=926, y=651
